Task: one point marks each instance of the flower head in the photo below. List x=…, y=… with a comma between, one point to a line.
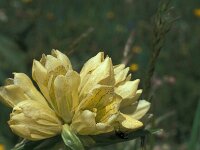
x=100, y=99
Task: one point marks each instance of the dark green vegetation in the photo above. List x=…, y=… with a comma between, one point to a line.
x=82, y=28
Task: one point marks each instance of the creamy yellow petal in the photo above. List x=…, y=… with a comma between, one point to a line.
x=98, y=97
x=34, y=121
x=128, y=123
x=92, y=64
x=25, y=83
x=109, y=113
x=63, y=58
x=118, y=68
x=52, y=63
x=130, y=109
x=128, y=89
x=142, y=108
x=89, y=66
x=120, y=73
x=11, y=95
x=66, y=94
x=128, y=101
x=40, y=75
x=103, y=74
x=84, y=123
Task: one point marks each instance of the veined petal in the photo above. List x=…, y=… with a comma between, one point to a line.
x=141, y=110
x=34, y=121
x=25, y=83
x=128, y=123
x=103, y=74
x=110, y=112
x=128, y=89
x=98, y=97
x=66, y=94
x=84, y=123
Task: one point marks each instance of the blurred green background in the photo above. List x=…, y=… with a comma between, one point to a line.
x=80, y=29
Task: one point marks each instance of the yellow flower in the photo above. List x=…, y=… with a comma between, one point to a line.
x=2, y=147
x=108, y=99
x=134, y=67
x=137, y=49
x=31, y=118
x=197, y=12
x=110, y=15
x=100, y=99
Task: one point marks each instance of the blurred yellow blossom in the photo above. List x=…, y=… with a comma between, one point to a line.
x=197, y=12
x=2, y=147
x=134, y=67
x=137, y=49
x=110, y=15
x=50, y=16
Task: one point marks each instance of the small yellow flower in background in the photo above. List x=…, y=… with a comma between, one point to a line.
x=110, y=15
x=197, y=12
x=100, y=99
x=2, y=147
x=137, y=49
x=50, y=16
x=134, y=67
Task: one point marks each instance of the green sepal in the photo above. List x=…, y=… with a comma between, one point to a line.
x=71, y=139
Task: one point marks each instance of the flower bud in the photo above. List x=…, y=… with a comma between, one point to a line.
x=34, y=121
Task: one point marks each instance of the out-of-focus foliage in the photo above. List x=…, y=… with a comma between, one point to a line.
x=29, y=28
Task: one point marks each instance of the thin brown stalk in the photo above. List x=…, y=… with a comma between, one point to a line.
x=126, y=55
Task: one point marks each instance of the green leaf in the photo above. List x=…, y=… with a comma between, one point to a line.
x=194, y=138
x=70, y=139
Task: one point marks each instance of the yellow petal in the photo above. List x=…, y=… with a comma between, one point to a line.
x=89, y=66
x=63, y=58
x=128, y=101
x=84, y=123
x=11, y=95
x=142, y=108
x=92, y=64
x=120, y=73
x=40, y=75
x=34, y=121
x=128, y=123
x=118, y=68
x=128, y=89
x=137, y=110
x=25, y=83
x=109, y=113
x=66, y=94
x=52, y=63
x=98, y=97
x=103, y=74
